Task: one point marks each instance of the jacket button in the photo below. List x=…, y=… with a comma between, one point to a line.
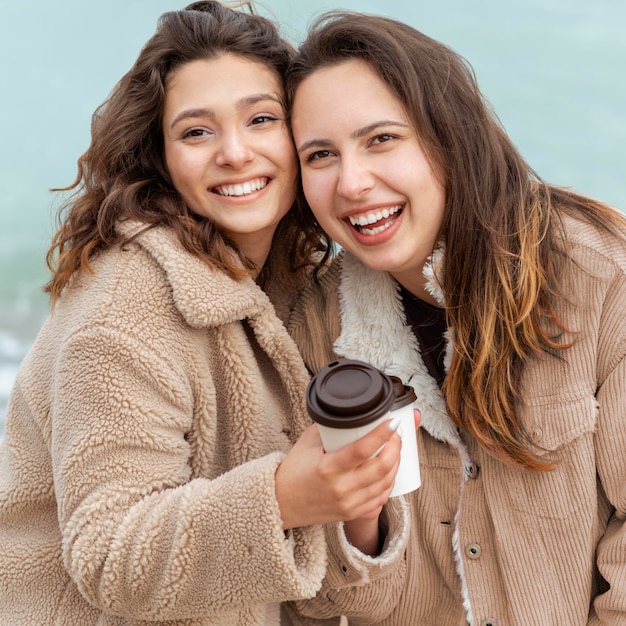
x=536, y=434
x=489, y=622
x=473, y=551
x=472, y=470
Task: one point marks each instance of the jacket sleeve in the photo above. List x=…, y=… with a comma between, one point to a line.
x=609, y=608
x=142, y=538
x=364, y=589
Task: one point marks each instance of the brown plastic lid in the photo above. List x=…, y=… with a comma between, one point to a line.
x=404, y=394
x=349, y=393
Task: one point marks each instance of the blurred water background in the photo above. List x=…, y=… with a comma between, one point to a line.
x=553, y=69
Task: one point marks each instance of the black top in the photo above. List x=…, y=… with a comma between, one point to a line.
x=428, y=323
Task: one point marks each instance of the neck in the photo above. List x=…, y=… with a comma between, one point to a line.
x=256, y=247
x=417, y=286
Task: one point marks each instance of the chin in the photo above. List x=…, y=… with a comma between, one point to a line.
x=380, y=265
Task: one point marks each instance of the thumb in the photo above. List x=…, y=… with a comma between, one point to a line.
x=311, y=436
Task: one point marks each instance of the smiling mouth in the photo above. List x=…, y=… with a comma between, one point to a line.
x=243, y=189
x=377, y=221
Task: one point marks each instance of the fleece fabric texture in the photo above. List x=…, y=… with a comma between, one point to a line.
x=142, y=438
x=491, y=544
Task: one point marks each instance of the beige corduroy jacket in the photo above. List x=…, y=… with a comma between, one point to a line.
x=142, y=438
x=488, y=544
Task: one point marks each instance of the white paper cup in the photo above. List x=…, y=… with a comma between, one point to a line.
x=408, y=477
x=348, y=399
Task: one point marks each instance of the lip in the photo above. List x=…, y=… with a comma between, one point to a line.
x=376, y=224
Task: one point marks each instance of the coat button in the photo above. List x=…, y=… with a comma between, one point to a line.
x=472, y=470
x=536, y=434
x=473, y=551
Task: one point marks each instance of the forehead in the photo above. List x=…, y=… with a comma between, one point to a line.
x=227, y=77
x=349, y=93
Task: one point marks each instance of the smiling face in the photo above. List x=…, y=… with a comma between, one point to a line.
x=364, y=173
x=228, y=149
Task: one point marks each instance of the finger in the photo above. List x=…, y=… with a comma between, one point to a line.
x=379, y=472
x=418, y=418
x=371, y=482
x=358, y=452
x=369, y=499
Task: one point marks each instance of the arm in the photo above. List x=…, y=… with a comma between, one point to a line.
x=365, y=589
x=141, y=537
x=609, y=608
x=362, y=581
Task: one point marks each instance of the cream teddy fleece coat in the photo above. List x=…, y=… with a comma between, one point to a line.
x=142, y=438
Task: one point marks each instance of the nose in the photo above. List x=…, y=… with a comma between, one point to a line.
x=233, y=151
x=355, y=179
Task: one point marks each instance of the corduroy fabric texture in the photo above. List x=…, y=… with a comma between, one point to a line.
x=490, y=544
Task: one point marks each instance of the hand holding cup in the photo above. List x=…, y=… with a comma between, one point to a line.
x=349, y=398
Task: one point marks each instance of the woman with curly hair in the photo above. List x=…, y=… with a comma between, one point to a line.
x=147, y=473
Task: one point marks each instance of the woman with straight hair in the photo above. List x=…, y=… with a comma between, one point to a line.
x=147, y=474
x=500, y=298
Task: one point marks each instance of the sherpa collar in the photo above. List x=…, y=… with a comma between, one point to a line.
x=375, y=330
x=204, y=296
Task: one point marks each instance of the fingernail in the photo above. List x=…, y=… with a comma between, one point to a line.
x=394, y=424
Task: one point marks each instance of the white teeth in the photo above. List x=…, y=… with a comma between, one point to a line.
x=243, y=189
x=378, y=229
x=372, y=218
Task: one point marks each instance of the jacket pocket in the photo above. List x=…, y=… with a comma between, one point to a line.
x=560, y=432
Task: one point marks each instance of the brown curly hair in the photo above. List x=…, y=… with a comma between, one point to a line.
x=123, y=174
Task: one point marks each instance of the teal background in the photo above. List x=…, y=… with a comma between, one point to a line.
x=553, y=69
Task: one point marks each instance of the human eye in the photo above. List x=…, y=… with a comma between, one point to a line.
x=382, y=138
x=196, y=132
x=265, y=118
x=317, y=155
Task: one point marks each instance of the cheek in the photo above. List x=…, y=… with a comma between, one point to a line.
x=290, y=167
x=279, y=149
x=180, y=167
x=317, y=190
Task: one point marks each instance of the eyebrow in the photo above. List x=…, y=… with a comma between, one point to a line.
x=357, y=134
x=239, y=105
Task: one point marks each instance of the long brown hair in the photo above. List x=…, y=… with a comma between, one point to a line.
x=498, y=213
x=123, y=175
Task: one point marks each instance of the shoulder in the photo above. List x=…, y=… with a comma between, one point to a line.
x=594, y=247
x=315, y=321
x=204, y=295
x=322, y=292
x=594, y=272
x=153, y=282
x=594, y=290
x=127, y=293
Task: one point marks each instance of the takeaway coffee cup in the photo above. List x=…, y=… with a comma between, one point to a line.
x=349, y=398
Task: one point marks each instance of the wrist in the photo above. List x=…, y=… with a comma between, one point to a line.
x=364, y=534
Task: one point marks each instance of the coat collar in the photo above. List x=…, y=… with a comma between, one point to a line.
x=375, y=330
x=203, y=295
